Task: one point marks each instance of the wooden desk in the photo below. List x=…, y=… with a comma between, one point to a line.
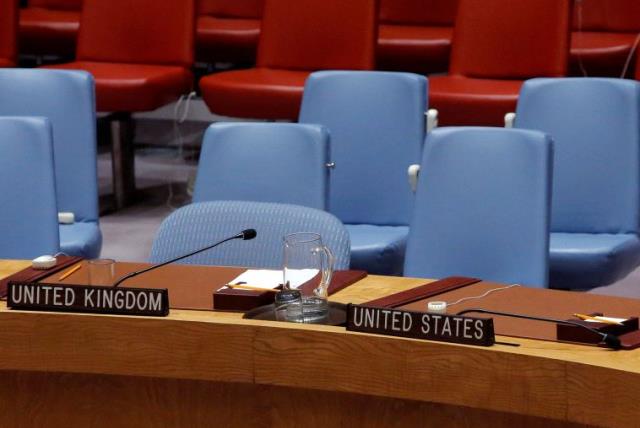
x=217, y=370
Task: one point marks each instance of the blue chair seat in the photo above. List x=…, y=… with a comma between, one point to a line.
x=67, y=99
x=202, y=223
x=377, y=125
x=81, y=239
x=596, y=174
x=29, y=215
x=585, y=260
x=378, y=249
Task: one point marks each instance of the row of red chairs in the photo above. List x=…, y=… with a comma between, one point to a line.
x=414, y=35
x=8, y=33
x=141, y=53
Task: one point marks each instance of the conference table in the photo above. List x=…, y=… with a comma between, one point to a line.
x=216, y=369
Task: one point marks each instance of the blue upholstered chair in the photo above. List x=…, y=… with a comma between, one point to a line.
x=595, y=124
x=66, y=98
x=264, y=162
x=482, y=206
x=28, y=212
x=377, y=126
x=200, y=224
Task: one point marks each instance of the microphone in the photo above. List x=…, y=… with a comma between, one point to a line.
x=612, y=341
x=245, y=235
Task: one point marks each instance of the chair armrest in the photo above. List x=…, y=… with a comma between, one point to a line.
x=413, y=172
x=66, y=218
x=509, y=120
x=432, y=119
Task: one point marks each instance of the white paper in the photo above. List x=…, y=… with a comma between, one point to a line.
x=270, y=279
x=297, y=277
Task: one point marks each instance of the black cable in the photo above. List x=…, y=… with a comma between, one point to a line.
x=612, y=341
x=245, y=235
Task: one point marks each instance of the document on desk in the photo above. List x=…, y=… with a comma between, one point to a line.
x=270, y=279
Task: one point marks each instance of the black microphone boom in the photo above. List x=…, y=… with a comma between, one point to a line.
x=245, y=235
x=612, y=341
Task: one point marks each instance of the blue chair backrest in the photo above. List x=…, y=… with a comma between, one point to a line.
x=595, y=124
x=67, y=99
x=377, y=126
x=482, y=206
x=28, y=213
x=201, y=224
x=264, y=162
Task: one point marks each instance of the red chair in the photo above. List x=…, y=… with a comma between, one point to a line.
x=228, y=31
x=497, y=44
x=50, y=27
x=140, y=53
x=604, y=32
x=298, y=37
x=8, y=32
x=415, y=35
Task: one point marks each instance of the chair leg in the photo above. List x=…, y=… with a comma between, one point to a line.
x=123, y=159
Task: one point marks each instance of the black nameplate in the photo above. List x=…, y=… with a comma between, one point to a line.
x=421, y=325
x=89, y=299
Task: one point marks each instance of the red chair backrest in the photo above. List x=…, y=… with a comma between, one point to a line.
x=511, y=39
x=418, y=12
x=8, y=29
x=318, y=34
x=248, y=9
x=589, y=15
x=137, y=31
x=57, y=4
x=623, y=15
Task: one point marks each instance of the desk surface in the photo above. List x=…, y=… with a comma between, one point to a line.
x=563, y=382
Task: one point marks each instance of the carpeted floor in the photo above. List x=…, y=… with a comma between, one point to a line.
x=163, y=171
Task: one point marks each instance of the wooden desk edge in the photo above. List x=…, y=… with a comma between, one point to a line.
x=570, y=381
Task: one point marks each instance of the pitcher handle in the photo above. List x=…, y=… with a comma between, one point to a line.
x=328, y=261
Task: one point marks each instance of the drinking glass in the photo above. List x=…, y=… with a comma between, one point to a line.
x=101, y=271
x=308, y=268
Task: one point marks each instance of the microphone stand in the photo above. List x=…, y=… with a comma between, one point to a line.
x=245, y=235
x=612, y=341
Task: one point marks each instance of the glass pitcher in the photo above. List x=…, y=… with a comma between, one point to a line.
x=308, y=268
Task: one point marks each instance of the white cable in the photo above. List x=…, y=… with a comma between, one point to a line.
x=176, y=108
x=464, y=299
x=178, y=119
x=580, y=63
x=187, y=106
x=628, y=61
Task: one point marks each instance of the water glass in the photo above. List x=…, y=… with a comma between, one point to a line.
x=101, y=271
x=307, y=270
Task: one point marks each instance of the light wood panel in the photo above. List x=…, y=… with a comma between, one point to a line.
x=8, y=267
x=236, y=359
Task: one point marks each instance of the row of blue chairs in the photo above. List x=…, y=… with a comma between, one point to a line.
x=67, y=100
x=436, y=248
x=482, y=209
x=375, y=124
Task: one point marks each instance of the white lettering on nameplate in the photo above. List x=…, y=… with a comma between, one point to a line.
x=419, y=325
x=35, y=296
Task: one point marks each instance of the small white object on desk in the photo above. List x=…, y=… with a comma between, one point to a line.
x=44, y=262
x=437, y=307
